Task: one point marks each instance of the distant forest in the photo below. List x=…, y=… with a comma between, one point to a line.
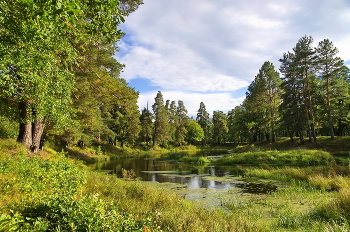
x=308, y=97
x=60, y=82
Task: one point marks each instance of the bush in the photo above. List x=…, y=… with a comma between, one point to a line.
x=43, y=195
x=36, y=175
x=8, y=129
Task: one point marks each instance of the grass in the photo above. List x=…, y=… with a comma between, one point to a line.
x=293, y=157
x=299, y=157
x=57, y=194
x=50, y=192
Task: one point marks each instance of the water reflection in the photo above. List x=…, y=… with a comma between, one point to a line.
x=197, y=182
x=190, y=175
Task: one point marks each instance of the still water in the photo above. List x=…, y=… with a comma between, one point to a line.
x=192, y=176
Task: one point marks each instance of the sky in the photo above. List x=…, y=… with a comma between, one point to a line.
x=210, y=51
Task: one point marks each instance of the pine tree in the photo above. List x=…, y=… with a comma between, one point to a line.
x=300, y=87
x=161, y=120
x=330, y=69
x=172, y=120
x=146, y=125
x=204, y=121
x=262, y=101
x=181, y=122
x=305, y=67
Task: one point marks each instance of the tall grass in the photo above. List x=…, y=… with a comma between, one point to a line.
x=57, y=195
x=172, y=213
x=300, y=157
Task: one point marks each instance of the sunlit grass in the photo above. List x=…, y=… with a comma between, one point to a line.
x=56, y=193
x=171, y=211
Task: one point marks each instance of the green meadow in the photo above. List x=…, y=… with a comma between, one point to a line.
x=50, y=192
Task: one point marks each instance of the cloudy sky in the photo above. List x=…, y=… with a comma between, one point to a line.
x=210, y=50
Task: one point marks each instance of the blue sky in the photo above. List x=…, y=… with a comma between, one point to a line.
x=210, y=51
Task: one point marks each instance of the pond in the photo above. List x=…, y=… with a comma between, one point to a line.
x=207, y=184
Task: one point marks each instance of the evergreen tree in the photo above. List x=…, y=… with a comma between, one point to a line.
x=97, y=90
x=204, y=121
x=330, y=69
x=299, y=86
x=292, y=110
x=161, y=120
x=305, y=67
x=127, y=118
x=146, y=125
x=172, y=120
x=181, y=122
x=262, y=101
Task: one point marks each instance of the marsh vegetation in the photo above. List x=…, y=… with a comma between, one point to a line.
x=53, y=193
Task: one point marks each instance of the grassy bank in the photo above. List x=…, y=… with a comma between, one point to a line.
x=58, y=194
x=298, y=157
x=50, y=192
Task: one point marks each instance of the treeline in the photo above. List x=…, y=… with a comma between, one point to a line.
x=59, y=81
x=309, y=99
x=58, y=77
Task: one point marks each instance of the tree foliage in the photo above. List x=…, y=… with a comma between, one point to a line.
x=220, y=128
x=43, y=44
x=160, y=132
x=204, y=121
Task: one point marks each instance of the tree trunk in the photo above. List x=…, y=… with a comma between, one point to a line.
x=313, y=131
x=25, y=126
x=30, y=134
x=301, y=138
x=340, y=127
x=331, y=129
x=291, y=137
x=38, y=129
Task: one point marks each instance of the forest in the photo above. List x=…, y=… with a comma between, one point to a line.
x=306, y=98
x=62, y=100
x=81, y=99
x=60, y=82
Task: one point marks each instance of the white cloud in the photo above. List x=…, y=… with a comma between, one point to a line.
x=218, y=46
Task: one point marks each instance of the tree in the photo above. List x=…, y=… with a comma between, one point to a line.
x=146, y=125
x=262, y=101
x=204, y=121
x=97, y=91
x=172, y=120
x=126, y=117
x=332, y=72
x=220, y=128
x=181, y=121
x=161, y=120
x=238, y=125
x=194, y=132
x=299, y=86
x=304, y=54
x=40, y=45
